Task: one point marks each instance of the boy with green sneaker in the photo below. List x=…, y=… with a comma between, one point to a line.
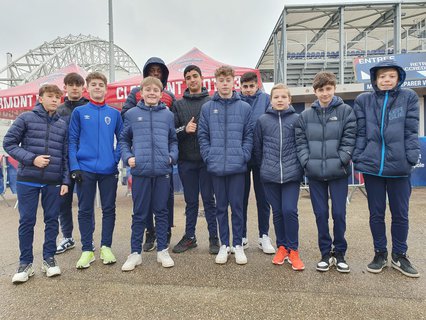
x=93, y=161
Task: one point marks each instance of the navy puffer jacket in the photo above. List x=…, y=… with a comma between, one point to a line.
x=387, y=141
x=275, y=146
x=32, y=134
x=225, y=135
x=149, y=135
x=325, y=140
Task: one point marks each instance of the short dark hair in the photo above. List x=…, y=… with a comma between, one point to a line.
x=248, y=77
x=49, y=88
x=190, y=68
x=96, y=75
x=324, y=78
x=74, y=78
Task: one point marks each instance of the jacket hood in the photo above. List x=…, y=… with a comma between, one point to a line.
x=235, y=97
x=271, y=110
x=336, y=101
x=39, y=109
x=188, y=95
x=251, y=98
x=387, y=64
x=164, y=69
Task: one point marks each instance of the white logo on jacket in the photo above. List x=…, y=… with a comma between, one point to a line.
x=140, y=118
x=333, y=118
x=107, y=120
x=86, y=117
x=215, y=111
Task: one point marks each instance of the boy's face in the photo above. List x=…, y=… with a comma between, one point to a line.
x=280, y=99
x=387, y=79
x=155, y=71
x=193, y=81
x=249, y=88
x=325, y=94
x=224, y=86
x=74, y=91
x=151, y=94
x=50, y=101
x=97, y=90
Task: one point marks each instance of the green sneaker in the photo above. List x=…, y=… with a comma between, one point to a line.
x=87, y=257
x=107, y=256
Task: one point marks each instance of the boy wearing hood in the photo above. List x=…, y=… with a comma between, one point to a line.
x=149, y=146
x=325, y=138
x=226, y=141
x=387, y=148
x=154, y=67
x=259, y=102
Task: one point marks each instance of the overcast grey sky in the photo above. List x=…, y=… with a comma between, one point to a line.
x=231, y=31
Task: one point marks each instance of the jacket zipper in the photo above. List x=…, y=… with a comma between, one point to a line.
x=152, y=139
x=46, y=141
x=281, y=146
x=382, y=125
x=226, y=134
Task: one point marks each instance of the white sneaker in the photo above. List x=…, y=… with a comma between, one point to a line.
x=50, y=267
x=265, y=245
x=222, y=256
x=240, y=256
x=164, y=258
x=132, y=261
x=25, y=271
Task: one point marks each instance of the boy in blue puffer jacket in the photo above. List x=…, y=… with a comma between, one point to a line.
x=281, y=172
x=93, y=161
x=38, y=141
x=149, y=146
x=259, y=102
x=226, y=141
x=387, y=148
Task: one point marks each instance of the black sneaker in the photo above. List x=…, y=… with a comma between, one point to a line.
x=340, y=262
x=401, y=263
x=325, y=263
x=184, y=244
x=150, y=241
x=169, y=236
x=214, y=245
x=379, y=262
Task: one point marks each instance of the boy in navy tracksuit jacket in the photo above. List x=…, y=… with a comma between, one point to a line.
x=281, y=172
x=38, y=141
x=149, y=146
x=259, y=102
x=387, y=148
x=226, y=141
x=325, y=136
x=93, y=161
x=73, y=86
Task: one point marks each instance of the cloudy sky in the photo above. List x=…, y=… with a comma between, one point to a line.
x=231, y=31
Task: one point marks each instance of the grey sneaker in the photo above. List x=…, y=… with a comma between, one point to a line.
x=50, y=267
x=24, y=272
x=401, y=263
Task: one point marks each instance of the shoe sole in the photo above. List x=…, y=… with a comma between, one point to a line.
x=164, y=265
x=131, y=269
x=279, y=263
x=186, y=249
x=265, y=252
x=405, y=273
x=25, y=279
x=87, y=265
x=343, y=270
x=295, y=269
x=375, y=270
x=50, y=274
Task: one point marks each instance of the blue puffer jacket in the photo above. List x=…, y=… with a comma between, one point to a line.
x=275, y=146
x=149, y=135
x=91, y=139
x=325, y=140
x=259, y=103
x=32, y=134
x=387, y=141
x=225, y=135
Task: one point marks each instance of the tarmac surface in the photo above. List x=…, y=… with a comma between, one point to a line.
x=197, y=288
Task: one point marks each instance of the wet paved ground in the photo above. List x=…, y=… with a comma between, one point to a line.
x=197, y=288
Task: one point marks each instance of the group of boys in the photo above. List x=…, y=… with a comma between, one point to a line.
x=211, y=140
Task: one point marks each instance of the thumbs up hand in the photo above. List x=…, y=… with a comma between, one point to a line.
x=191, y=127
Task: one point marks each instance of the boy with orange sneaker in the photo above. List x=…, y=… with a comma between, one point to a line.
x=275, y=151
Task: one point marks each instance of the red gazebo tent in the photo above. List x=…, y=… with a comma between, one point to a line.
x=118, y=91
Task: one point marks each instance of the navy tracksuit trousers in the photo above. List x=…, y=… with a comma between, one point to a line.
x=196, y=179
x=149, y=195
x=338, y=190
x=263, y=209
x=399, y=191
x=65, y=212
x=283, y=199
x=86, y=192
x=227, y=190
x=28, y=198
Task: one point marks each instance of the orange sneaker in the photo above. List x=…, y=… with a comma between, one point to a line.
x=294, y=260
x=280, y=256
